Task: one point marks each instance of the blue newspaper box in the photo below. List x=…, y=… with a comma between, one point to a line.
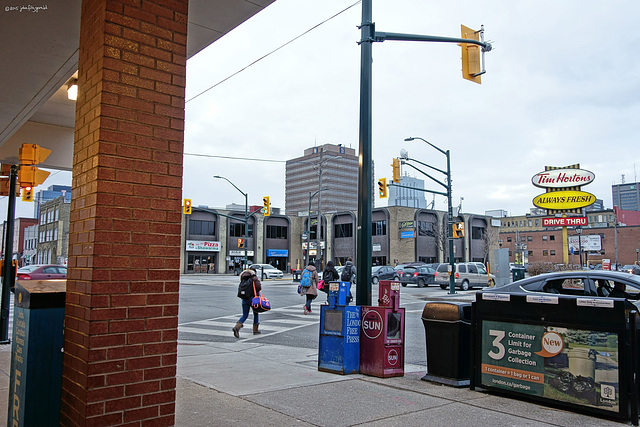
x=339, y=346
x=36, y=359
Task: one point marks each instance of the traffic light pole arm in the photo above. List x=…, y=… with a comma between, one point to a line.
x=426, y=174
x=380, y=36
x=424, y=164
x=393, y=184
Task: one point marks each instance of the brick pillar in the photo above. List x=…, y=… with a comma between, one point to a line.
x=124, y=240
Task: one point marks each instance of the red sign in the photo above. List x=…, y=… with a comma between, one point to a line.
x=564, y=222
x=392, y=357
x=372, y=324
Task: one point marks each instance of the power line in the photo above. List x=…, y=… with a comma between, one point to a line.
x=234, y=158
x=273, y=51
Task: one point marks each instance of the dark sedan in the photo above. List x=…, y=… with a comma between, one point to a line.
x=383, y=272
x=591, y=283
x=420, y=275
x=42, y=272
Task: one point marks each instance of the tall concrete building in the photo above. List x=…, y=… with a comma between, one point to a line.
x=410, y=197
x=626, y=196
x=334, y=167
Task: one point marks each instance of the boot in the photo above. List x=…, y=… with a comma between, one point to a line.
x=255, y=329
x=236, y=329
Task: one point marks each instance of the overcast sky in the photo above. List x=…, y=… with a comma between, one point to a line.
x=562, y=87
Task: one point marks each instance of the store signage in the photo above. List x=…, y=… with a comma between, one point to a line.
x=372, y=324
x=277, y=252
x=203, y=245
x=563, y=178
x=240, y=253
x=406, y=234
x=376, y=247
x=565, y=222
x=563, y=364
x=406, y=224
x=564, y=200
x=590, y=242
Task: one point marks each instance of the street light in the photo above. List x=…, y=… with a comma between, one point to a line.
x=452, y=278
x=311, y=196
x=246, y=216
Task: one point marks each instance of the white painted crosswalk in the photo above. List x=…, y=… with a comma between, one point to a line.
x=276, y=321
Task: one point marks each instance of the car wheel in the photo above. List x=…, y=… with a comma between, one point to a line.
x=396, y=278
x=375, y=280
x=443, y=286
x=491, y=283
x=404, y=284
x=465, y=286
x=420, y=283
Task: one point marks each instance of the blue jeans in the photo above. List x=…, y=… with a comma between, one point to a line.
x=246, y=306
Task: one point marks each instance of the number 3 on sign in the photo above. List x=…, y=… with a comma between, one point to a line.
x=499, y=336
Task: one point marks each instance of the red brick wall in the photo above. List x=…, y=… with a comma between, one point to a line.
x=124, y=241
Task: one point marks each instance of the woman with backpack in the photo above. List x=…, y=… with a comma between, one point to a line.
x=309, y=285
x=330, y=274
x=248, y=288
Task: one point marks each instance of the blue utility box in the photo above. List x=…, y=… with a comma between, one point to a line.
x=36, y=353
x=339, y=346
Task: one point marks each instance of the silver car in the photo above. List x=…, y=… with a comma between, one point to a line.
x=468, y=275
x=267, y=271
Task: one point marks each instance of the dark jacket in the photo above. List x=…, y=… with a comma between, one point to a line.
x=256, y=282
x=330, y=274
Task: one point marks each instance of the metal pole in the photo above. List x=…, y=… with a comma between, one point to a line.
x=8, y=278
x=308, y=232
x=363, y=232
x=246, y=226
x=452, y=278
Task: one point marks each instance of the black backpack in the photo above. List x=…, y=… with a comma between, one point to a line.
x=346, y=274
x=245, y=288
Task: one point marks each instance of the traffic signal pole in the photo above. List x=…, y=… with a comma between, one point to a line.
x=8, y=277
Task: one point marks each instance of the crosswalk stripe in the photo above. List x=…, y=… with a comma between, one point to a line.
x=270, y=325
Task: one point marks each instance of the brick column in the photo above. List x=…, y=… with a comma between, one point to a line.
x=124, y=240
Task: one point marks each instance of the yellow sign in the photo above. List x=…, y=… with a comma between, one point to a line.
x=559, y=200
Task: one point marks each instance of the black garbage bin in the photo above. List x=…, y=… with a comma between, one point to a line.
x=296, y=275
x=517, y=273
x=447, y=328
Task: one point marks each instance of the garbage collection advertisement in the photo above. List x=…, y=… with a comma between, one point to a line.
x=569, y=365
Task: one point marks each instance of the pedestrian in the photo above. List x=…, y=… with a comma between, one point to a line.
x=309, y=285
x=248, y=288
x=330, y=274
x=349, y=275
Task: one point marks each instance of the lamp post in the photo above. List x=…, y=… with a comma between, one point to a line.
x=579, y=231
x=637, y=251
x=452, y=278
x=246, y=216
x=311, y=196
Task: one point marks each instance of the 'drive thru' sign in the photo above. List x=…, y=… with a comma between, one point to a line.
x=564, y=222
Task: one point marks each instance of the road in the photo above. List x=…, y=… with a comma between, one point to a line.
x=209, y=308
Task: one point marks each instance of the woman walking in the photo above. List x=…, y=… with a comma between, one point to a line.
x=249, y=287
x=311, y=291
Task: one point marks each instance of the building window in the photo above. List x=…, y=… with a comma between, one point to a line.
x=236, y=229
x=425, y=228
x=553, y=252
x=530, y=223
x=343, y=230
x=529, y=238
x=537, y=223
x=379, y=228
x=202, y=228
x=508, y=239
x=545, y=253
x=477, y=233
x=277, y=232
x=544, y=238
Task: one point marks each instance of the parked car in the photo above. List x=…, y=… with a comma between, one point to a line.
x=421, y=275
x=631, y=268
x=592, y=283
x=467, y=276
x=42, y=272
x=267, y=271
x=401, y=267
x=383, y=272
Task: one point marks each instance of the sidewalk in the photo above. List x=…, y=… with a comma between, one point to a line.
x=246, y=383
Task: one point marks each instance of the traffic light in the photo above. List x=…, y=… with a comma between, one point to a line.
x=29, y=175
x=471, y=69
x=186, y=207
x=27, y=194
x=458, y=230
x=240, y=243
x=382, y=188
x=396, y=170
x=266, y=206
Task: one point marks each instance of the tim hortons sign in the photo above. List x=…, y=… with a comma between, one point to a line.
x=563, y=178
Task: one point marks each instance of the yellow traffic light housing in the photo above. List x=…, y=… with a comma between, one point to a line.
x=32, y=154
x=396, y=170
x=27, y=194
x=241, y=243
x=186, y=207
x=458, y=230
x=382, y=188
x=471, y=68
x=31, y=176
x=266, y=206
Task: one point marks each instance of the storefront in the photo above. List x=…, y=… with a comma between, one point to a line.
x=235, y=261
x=278, y=258
x=202, y=256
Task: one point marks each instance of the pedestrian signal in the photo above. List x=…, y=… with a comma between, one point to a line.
x=458, y=230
